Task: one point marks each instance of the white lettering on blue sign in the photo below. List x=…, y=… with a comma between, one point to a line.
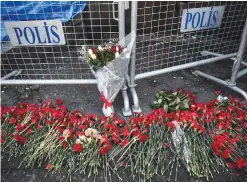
x=202, y=18
x=43, y=32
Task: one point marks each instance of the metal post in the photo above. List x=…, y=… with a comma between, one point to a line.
x=121, y=27
x=132, y=85
x=133, y=53
x=184, y=66
x=47, y=82
x=13, y=73
x=240, y=54
x=217, y=80
x=242, y=73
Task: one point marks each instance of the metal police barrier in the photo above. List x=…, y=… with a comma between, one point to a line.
x=46, y=40
x=173, y=36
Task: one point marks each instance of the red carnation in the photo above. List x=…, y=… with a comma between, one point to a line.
x=126, y=131
x=94, y=50
x=59, y=101
x=226, y=153
x=120, y=48
x=49, y=122
x=12, y=120
x=166, y=145
x=171, y=126
x=29, y=131
x=231, y=165
x=49, y=166
x=241, y=163
x=38, y=127
x=115, y=138
x=64, y=144
x=21, y=139
x=143, y=138
x=218, y=92
x=77, y=147
x=124, y=142
x=103, y=150
x=19, y=127
x=113, y=49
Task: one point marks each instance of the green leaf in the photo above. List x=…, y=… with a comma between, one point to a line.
x=177, y=107
x=172, y=103
x=165, y=108
x=99, y=63
x=186, y=105
x=161, y=92
x=177, y=100
x=160, y=101
x=174, y=93
x=186, y=100
x=167, y=98
x=157, y=95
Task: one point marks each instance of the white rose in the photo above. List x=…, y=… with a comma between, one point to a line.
x=90, y=52
x=117, y=55
x=117, y=49
x=100, y=48
x=93, y=56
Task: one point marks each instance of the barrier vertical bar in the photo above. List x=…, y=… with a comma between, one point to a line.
x=241, y=50
x=121, y=27
x=132, y=85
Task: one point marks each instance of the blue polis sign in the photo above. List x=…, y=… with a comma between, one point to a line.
x=201, y=18
x=43, y=32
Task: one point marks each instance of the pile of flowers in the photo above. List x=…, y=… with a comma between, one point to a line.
x=205, y=138
x=104, y=54
x=50, y=134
